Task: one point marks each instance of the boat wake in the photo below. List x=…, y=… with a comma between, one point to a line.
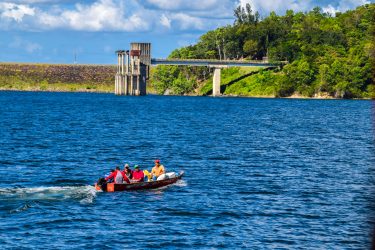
x=85, y=194
x=180, y=183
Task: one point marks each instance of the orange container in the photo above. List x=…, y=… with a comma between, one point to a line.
x=111, y=187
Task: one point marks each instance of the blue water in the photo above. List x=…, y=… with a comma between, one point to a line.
x=260, y=173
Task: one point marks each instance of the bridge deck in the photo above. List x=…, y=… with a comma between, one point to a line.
x=214, y=63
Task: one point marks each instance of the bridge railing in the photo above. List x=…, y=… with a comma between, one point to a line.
x=213, y=61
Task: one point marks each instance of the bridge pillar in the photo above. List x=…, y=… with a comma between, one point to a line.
x=216, y=82
x=120, y=75
x=116, y=84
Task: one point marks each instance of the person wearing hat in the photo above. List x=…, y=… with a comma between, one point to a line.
x=128, y=172
x=157, y=170
x=138, y=175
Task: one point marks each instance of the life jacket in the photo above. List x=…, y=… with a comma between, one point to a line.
x=119, y=179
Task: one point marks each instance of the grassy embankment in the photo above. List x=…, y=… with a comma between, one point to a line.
x=257, y=82
x=245, y=81
x=57, y=77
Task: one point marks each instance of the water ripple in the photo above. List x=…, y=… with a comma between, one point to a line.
x=260, y=173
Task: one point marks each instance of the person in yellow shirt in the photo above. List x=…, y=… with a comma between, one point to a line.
x=157, y=170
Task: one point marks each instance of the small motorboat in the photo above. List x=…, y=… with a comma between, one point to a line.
x=112, y=187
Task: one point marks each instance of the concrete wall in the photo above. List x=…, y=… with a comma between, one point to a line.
x=59, y=73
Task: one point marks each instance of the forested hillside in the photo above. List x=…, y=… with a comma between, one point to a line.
x=327, y=55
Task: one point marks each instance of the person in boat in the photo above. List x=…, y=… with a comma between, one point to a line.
x=138, y=175
x=118, y=176
x=110, y=180
x=128, y=171
x=157, y=170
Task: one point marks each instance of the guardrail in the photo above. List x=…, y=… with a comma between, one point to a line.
x=213, y=63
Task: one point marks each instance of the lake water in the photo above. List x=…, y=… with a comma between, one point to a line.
x=260, y=173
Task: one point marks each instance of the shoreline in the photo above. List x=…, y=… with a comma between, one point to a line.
x=34, y=77
x=55, y=91
x=221, y=96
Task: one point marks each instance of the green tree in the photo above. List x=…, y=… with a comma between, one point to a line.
x=250, y=48
x=332, y=54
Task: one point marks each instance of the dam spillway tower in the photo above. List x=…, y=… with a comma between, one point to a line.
x=133, y=69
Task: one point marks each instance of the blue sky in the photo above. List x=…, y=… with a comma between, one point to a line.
x=54, y=31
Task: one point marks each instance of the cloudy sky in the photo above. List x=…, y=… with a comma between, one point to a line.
x=89, y=31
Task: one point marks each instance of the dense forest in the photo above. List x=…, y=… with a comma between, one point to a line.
x=328, y=55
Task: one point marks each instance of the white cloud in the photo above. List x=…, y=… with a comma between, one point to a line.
x=15, y=11
x=345, y=5
x=101, y=15
x=98, y=16
x=165, y=21
x=217, y=9
x=184, y=4
x=142, y=15
x=330, y=9
x=28, y=46
x=35, y=1
x=280, y=6
x=114, y=15
x=93, y=17
x=186, y=22
x=46, y=1
x=32, y=47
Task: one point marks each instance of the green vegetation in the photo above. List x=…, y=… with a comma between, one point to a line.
x=176, y=79
x=229, y=77
x=328, y=56
x=49, y=77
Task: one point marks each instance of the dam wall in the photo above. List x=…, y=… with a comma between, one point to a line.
x=49, y=76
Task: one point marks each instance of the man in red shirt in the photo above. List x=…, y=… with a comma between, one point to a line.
x=138, y=175
x=118, y=176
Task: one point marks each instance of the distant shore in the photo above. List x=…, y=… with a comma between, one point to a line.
x=35, y=77
x=83, y=90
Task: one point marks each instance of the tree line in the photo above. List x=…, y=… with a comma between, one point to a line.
x=332, y=54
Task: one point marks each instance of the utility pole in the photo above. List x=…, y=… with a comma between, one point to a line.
x=75, y=57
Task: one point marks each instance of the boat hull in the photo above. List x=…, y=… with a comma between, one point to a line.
x=112, y=187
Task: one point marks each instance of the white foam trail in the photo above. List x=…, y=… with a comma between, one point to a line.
x=85, y=194
x=180, y=183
